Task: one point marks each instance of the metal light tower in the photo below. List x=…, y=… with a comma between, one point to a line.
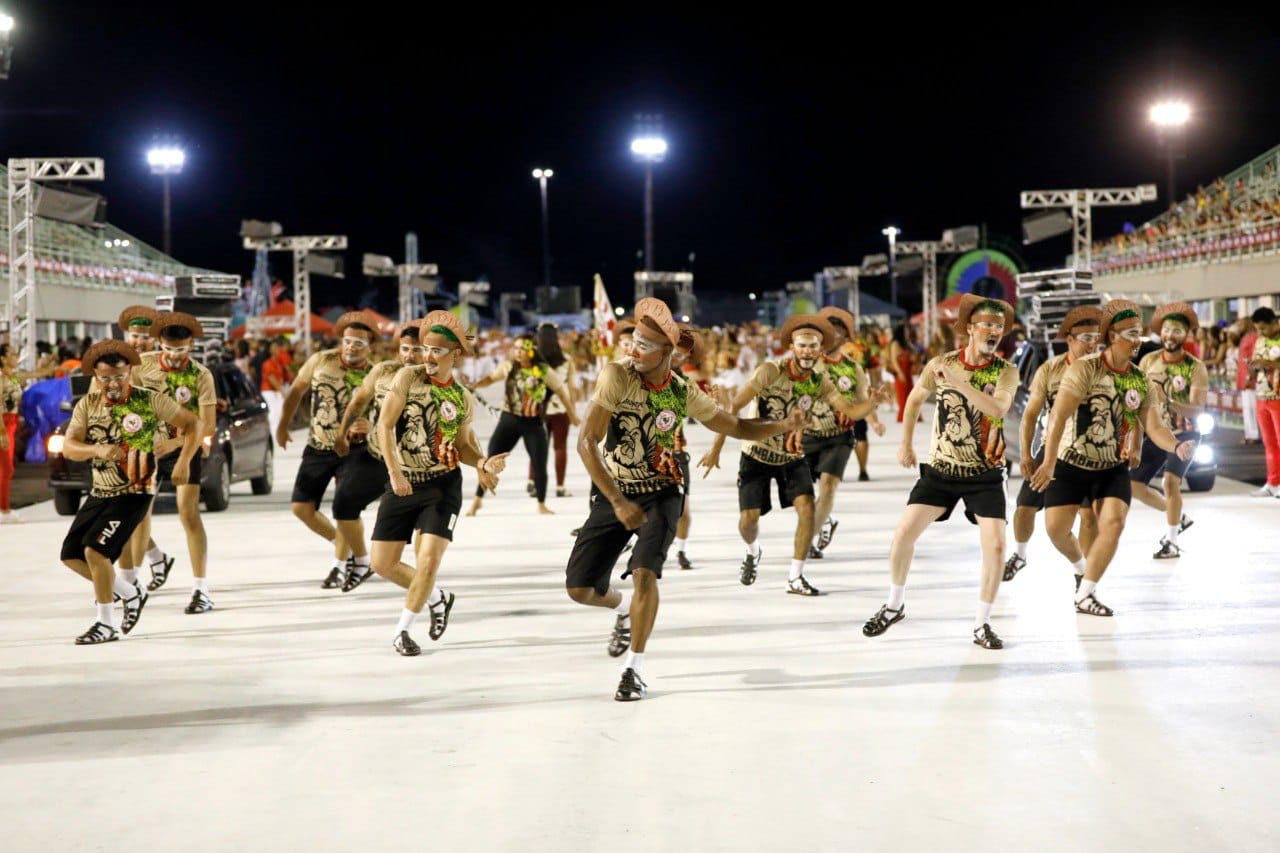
x=1170, y=117
x=380, y=266
x=847, y=279
x=892, y=233
x=20, y=304
x=301, y=247
x=1081, y=203
x=542, y=176
x=649, y=147
x=928, y=250
x=166, y=161
x=6, y=49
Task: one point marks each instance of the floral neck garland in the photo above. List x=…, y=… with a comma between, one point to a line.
x=845, y=374
x=806, y=386
x=182, y=385
x=451, y=409
x=984, y=379
x=135, y=421
x=354, y=377
x=1180, y=378
x=667, y=408
x=1132, y=388
x=533, y=389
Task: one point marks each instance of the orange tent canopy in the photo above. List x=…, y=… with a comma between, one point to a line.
x=948, y=310
x=278, y=320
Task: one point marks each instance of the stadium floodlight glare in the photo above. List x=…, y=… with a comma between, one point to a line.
x=166, y=160
x=1170, y=113
x=6, y=23
x=652, y=149
x=539, y=174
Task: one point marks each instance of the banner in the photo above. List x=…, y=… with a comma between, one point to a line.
x=602, y=313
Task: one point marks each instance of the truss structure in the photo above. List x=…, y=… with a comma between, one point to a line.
x=300, y=246
x=928, y=250
x=1081, y=202
x=848, y=279
x=20, y=304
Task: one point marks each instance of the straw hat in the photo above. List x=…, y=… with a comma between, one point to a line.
x=816, y=322
x=109, y=347
x=1081, y=315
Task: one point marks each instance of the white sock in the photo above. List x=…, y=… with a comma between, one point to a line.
x=681, y=545
x=406, y=620
x=155, y=555
x=1078, y=566
x=436, y=596
x=983, y=614
x=1173, y=535
x=797, y=569
x=363, y=562
x=624, y=606
x=1020, y=548
x=130, y=575
x=753, y=548
x=339, y=563
x=202, y=584
x=897, y=594
x=107, y=615
x=1086, y=589
x=123, y=589
x=635, y=660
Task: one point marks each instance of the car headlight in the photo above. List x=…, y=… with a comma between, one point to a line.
x=1205, y=423
x=1204, y=454
x=54, y=444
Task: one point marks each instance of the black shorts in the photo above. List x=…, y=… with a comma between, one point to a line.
x=363, y=481
x=317, y=469
x=983, y=495
x=164, y=466
x=1155, y=460
x=602, y=538
x=754, y=477
x=860, y=429
x=1029, y=497
x=829, y=454
x=105, y=525
x=433, y=509
x=1072, y=486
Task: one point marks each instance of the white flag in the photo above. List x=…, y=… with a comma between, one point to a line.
x=602, y=310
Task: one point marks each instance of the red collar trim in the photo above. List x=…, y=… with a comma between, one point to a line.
x=1107, y=362
x=343, y=362
x=433, y=381
x=1182, y=356
x=167, y=369
x=661, y=387
x=829, y=360
x=975, y=366
x=791, y=366
x=1068, y=358
x=128, y=392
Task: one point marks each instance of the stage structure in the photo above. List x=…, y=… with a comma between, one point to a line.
x=20, y=301
x=301, y=247
x=1081, y=203
x=413, y=278
x=953, y=241
x=673, y=288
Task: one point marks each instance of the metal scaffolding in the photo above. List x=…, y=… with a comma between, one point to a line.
x=20, y=304
x=301, y=247
x=847, y=279
x=1081, y=202
x=928, y=250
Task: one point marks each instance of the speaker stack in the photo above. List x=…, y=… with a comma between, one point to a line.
x=210, y=299
x=1050, y=295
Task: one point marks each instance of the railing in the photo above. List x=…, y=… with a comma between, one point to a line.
x=1193, y=249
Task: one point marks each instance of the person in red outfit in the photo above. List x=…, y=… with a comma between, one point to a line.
x=902, y=362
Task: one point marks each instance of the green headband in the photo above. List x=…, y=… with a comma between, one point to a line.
x=1125, y=315
x=1178, y=318
x=988, y=306
x=139, y=321
x=446, y=331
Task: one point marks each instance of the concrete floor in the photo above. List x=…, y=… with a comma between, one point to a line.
x=284, y=721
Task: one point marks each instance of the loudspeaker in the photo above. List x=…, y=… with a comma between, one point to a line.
x=205, y=286
x=326, y=263
x=558, y=300
x=220, y=308
x=70, y=204
x=1042, y=226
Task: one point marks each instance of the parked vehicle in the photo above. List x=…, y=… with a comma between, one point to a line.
x=1031, y=354
x=241, y=447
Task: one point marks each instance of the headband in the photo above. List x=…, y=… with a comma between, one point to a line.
x=446, y=332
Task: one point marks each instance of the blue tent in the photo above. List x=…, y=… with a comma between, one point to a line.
x=41, y=408
x=872, y=306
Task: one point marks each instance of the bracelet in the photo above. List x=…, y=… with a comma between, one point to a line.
x=484, y=460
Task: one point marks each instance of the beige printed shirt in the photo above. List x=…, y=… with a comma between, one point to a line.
x=965, y=442
x=428, y=429
x=135, y=425
x=779, y=389
x=1112, y=404
x=1177, y=381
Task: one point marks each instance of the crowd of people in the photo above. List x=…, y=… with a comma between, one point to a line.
x=391, y=422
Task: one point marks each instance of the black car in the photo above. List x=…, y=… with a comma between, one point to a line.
x=241, y=447
x=1031, y=354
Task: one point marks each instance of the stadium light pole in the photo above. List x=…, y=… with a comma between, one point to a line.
x=541, y=176
x=166, y=160
x=892, y=233
x=6, y=49
x=1170, y=117
x=648, y=148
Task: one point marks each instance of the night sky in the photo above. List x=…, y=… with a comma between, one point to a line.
x=793, y=142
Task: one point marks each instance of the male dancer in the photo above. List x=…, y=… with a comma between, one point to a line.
x=975, y=389
x=424, y=431
x=780, y=387
x=1102, y=403
x=1183, y=381
x=332, y=376
x=831, y=437
x=137, y=323
x=173, y=372
x=1081, y=330
x=115, y=427
x=638, y=412
x=365, y=475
